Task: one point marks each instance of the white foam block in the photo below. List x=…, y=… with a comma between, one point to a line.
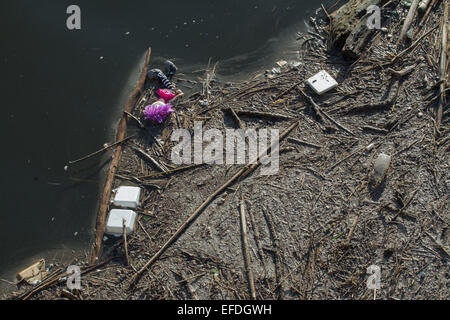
x=114, y=225
x=128, y=197
x=322, y=82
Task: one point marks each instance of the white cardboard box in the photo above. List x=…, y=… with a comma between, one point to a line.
x=127, y=197
x=322, y=82
x=114, y=225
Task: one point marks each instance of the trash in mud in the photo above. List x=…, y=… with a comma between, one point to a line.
x=34, y=273
x=380, y=167
x=160, y=109
x=322, y=82
x=114, y=226
x=127, y=196
x=282, y=63
x=157, y=112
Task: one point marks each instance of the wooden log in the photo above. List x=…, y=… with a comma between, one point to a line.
x=247, y=261
x=120, y=135
x=443, y=67
x=408, y=20
x=349, y=30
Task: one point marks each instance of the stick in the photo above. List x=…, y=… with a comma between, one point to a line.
x=246, y=252
x=141, y=125
x=124, y=224
x=258, y=114
x=102, y=150
x=243, y=171
x=304, y=142
x=443, y=67
x=169, y=172
x=408, y=20
x=236, y=117
x=291, y=87
x=353, y=227
x=317, y=108
x=121, y=130
x=148, y=157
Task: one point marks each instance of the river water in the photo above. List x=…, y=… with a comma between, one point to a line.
x=63, y=91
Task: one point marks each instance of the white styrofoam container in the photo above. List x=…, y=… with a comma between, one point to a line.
x=114, y=225
x=128, y=197
x=322, y=82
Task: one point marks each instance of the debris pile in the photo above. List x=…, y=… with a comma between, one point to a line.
x=362, y=181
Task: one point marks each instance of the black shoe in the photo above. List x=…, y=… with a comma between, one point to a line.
x=171, y=69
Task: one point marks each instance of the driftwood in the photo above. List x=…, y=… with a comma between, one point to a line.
x=443, y=67
x=121, y=131
x=247, y=260
x=408, y=20
x=349, y=27
x=102, y=150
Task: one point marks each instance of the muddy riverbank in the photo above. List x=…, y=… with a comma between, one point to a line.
x=314, y=228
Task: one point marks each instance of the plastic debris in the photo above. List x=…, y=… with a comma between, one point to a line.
x=281, y=63
x=166, y=95
x=127, y=196
x=158, y=111
x=322, y=82
x=114, y=225
x=380, y=167
x=34, y=273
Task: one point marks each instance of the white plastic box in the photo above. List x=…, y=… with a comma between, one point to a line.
x=322, y=82
x=127, y=197
x=114, y=225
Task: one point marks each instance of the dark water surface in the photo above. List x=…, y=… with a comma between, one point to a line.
x=62, y=92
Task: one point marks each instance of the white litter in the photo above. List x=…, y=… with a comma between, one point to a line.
x=114, y=225
x=282, y=63
x=322, y=82
x=127, y=197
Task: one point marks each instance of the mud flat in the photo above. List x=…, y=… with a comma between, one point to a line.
x=335, y=207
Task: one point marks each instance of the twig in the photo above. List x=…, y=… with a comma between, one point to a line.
x=318, y=109
x=169, y=172
x=304, y=142
x=405, y=206
x=288, y=89
x=236, y=118
x=148, y=157
x=102, y=150
x=408, y=20
x=276, y=116
x=443, y=67
x=142, y=126
x=247, y=260
x=124, y=224
x=353, y=227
